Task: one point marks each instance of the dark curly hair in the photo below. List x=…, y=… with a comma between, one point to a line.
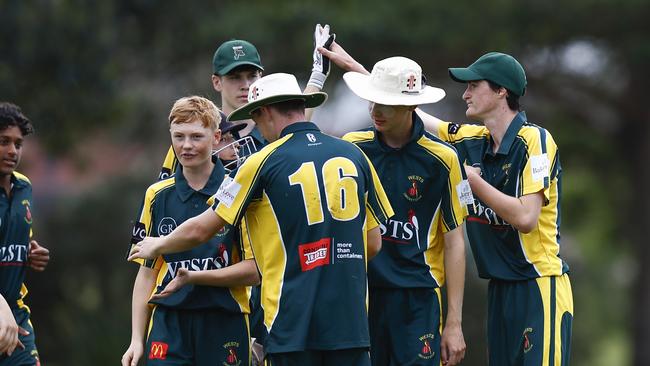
x=11, y=115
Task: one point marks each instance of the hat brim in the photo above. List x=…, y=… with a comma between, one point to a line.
x=312, y=100
x=360, y=85
x=464, y=74
x=230, y=67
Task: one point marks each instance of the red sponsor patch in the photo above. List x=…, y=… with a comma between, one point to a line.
x=314, y=254
x=158, y=351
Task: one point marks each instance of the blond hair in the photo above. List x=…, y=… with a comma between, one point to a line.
x=195, y=108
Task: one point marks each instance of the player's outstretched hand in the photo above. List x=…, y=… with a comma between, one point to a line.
x=342, y=59
x=182, y=278
x=452, y=345
x=9, y=332
x=38, y=256
x=321, y=65
x=133, y=355
x=146, y=249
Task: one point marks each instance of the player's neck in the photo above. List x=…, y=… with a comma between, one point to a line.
x=198, y=176
x=498, y=124
x=5, y=183
x=398, y=136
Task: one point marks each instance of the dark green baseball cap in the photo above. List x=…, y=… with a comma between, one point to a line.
x=235, y=53
x=496, y=67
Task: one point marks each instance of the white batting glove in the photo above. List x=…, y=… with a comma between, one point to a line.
x=321, y=66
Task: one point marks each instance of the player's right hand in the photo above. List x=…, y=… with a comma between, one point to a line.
x=133, y=355
x=181, y=279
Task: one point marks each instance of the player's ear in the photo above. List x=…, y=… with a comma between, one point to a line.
x=217, y=138
x=216, y=83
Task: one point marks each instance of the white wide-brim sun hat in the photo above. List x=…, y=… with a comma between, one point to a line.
x=393, y=81
x=275, y=88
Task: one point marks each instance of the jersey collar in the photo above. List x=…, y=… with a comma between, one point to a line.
x=511, y=133
x=298, y=126
x=257, y=136
x=416, y=134
x=216, y=177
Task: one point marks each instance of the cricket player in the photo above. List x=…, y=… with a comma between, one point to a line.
x=312, y=204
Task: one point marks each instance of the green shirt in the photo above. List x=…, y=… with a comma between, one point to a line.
x=527, y=162
x=15, y=233
x=308, y=199
x=169, y=203
x=429, y=194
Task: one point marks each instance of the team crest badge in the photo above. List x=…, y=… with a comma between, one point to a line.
x=28, y=212
x=528, y=345
x=238, y=51
x=427, y=351
x=413, y=192
x=231, y=354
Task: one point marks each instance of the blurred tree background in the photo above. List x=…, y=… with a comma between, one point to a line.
x=98, y=79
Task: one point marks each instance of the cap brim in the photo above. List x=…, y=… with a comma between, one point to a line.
x=464, y=74
x=312, y=100
x=230, y=67
x=234, y=127
x=360, y=85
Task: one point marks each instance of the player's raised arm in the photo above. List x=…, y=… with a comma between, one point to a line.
x=321, y=65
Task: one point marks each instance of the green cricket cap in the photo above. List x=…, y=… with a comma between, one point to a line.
x=496, y=67
x=235, y=53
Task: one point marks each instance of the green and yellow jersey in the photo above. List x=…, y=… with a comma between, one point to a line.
x=169, y=203
x=15, y=233
x=429, y=194
x=527, y=162
x=308, y=200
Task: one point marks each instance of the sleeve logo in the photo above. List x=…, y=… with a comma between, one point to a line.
x=464, y=192
x=228, y=191
x=453, y=128
x=139, y=232
x=539, y=167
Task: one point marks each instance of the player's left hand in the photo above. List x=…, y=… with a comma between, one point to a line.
x=321, y=66
x=182, y=278
x=146, y=249
x=38, y=256
x=452, y=345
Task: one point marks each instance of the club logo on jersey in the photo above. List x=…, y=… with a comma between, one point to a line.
x=427, y=351
x=413, y=192
x=158, y=351
x=314, y=254
x=223, y=232
x=238, y=51
x=528, y=345
x=453, y=128
x=231, y=358
x=28, y=212
x=166, y=225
